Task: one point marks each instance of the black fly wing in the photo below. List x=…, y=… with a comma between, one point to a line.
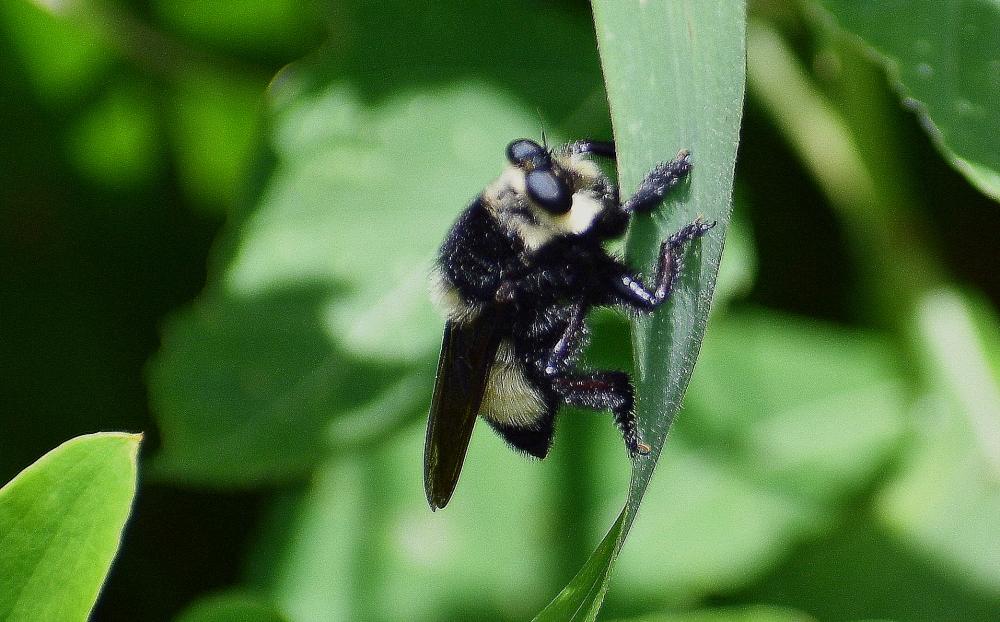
x=467, y=355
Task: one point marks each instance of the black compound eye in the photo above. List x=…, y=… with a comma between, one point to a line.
x=548, y=191
x=524, y=150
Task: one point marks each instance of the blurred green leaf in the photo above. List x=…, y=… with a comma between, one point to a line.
x=363, y=543
x=60, y=523
x=114, y=143
x=784, y=419
x=543, y=53
x=946, y=499
x=231, y=607
x=945, y=57
x=710, y=530
x=324, y=303
x=754, y=613
x=255, y=25
x=809, y=407
x=675, y=77
x=215, y=122
x=64, y=56
x=245, y=387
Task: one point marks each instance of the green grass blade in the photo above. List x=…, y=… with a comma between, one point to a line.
x=581, y=598
x=60, y=523
x=675, y=77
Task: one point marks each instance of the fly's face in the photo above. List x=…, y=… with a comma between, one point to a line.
x=545, y=194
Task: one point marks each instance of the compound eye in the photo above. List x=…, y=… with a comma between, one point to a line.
x=548, y=191
x=523, y=150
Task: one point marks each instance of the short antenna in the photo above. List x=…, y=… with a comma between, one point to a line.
x=541, y=124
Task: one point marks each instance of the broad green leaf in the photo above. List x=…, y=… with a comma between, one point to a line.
x=675, y=79
x=60, y=524
x=245, y=387
x=324, y=304
x=318, y=302
x=363, y=544
x=711, y=529
x=808, y=407
x=945, y=58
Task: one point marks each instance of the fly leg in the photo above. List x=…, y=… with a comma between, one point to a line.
x=599, y=390
x=559, y=353
x=635, y=294
x=660, y=180
x=604, y=390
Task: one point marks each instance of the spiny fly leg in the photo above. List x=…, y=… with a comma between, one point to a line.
x=634, y=293
x=596, y=147
x=659, y=181
x=604, y=390
x=671, y=254
x=563, y=347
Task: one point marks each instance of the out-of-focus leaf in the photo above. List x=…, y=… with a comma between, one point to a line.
x=324, y=303
x=345, y=560
x=63, y=54
x=789, y=417
x=254, y=25
x=945, y=57
x=675, y=78
x=947, y=497
x=60, y=523
x=215, y=123
x=712, y=529
x=114, y=143
x=758, y=613
x=231, y=607
x=538, y=51
x=806, y=406
x=245, y=388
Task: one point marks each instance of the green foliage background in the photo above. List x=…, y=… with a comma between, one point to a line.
x=837, y=455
